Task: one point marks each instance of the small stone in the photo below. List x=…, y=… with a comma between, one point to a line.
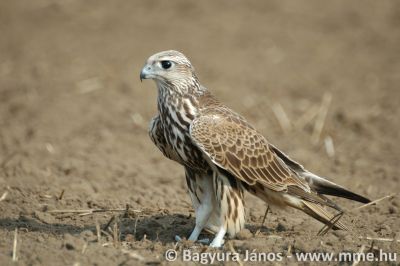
x=393, y=209
x=44, y=208
x=341, y=234
x=348, y=238
x=387, y=228
x=88, y=235
x=71, y=242
x=129, y=238
x=300, y=246
x=280, y=227
x=40, y=239
x=45, y=217
x=244, y=234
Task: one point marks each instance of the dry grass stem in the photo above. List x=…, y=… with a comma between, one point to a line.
x=137, y=119
x=263, y=221
x=14, y=252
x=50, y=148
x=381, y=239
x=98, y=231
x=4, y=196
x=115, y=234
x=89, y=85
x=107, y=233
x=232, y=249
x=135, y=227
x=108, y=223
x=374, y=201
x=329, y=146
x=289, y=250
x=307, y=117
x=274, y=236
x=265, y=216
x=61, y=194
x=321, y=117
x=357, y=261
x=84, y=248
x=91, y=211
x=282, y=117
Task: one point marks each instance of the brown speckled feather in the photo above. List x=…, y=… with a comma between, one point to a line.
x=234, y=145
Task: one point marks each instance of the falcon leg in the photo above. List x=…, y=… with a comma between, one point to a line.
x=229, y=194
x=203, y=212
x=201, y=192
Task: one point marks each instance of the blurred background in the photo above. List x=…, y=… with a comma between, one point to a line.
x=319, y=79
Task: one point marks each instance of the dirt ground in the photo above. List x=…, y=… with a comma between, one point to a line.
x=74, y=115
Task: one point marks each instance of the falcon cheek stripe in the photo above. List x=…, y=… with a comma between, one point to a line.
x=223, y=155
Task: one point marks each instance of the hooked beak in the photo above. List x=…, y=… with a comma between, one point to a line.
x=146, y=72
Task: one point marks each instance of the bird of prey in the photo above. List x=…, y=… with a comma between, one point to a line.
x=224, y=155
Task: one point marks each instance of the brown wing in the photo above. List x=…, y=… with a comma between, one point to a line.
x=242, y=151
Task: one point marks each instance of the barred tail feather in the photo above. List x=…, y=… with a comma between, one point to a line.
x=318, y=212
x=326, y=187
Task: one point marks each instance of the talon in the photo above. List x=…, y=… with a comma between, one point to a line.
x=217, y=245
x=178, y=238
x=204, y=241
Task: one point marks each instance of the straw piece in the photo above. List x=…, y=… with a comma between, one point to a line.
x=380, y=239
x=4, y=196
x=321, y=117
x=307, y=117
x=232, y=249
x=282, y=117
x=98, y=232
x=329, y=147
x=61, y=194
x=375, y=201
x=89, y=85
x=263, y=221
x=357, y=260
x=90, y=211
x=14, y=253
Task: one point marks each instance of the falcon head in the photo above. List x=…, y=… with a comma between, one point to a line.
x=169, y=68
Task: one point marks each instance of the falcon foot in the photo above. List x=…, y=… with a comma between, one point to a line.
x=219, y=238
x=203, y=241
x=217, y=244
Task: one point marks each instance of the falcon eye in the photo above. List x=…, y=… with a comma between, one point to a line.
x=166, y=64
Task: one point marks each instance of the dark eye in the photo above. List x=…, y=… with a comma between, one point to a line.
x=166, y=64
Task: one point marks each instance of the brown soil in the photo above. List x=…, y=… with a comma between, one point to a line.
x=73, y=119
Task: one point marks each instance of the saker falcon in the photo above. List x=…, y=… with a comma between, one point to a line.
x=224, y=155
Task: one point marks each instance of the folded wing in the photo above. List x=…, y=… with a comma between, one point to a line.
x=243, y=152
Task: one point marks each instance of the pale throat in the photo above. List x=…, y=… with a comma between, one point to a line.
x=182, y=98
